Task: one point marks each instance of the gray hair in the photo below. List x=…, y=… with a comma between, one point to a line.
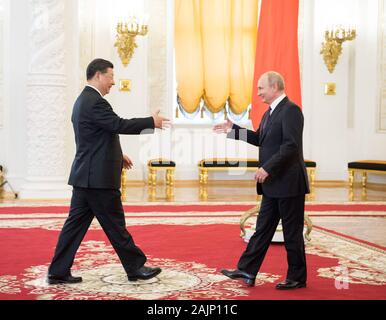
x=275, y=78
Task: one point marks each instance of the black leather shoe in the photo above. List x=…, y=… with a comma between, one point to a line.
x=290, y=284
x=249, y=279
x=144, y=273
x=52, y=279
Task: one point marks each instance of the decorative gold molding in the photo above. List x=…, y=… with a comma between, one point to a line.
x=330, y=89
x=125, y=85
x=332, y=45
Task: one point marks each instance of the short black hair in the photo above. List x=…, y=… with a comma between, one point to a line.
x=98, y=65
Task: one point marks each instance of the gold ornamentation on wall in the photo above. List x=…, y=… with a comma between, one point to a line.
x=330, y=89
x=332, y=45
x=124, y=85
x=126, y=33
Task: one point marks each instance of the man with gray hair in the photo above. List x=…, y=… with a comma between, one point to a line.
x=281, y=180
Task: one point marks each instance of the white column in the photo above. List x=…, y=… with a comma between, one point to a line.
x=46, y=115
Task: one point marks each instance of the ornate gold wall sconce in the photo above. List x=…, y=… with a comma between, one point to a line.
x=332, y=45
x=126, y=33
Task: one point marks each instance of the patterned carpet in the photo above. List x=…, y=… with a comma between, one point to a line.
x=191, y=242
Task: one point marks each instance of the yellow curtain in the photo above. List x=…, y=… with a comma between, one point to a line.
x=215, y=44
x=244, y=24
x=188, y=53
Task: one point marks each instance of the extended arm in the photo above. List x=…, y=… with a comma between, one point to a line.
x=105, y=118
x=243, y=134
x=235, y=132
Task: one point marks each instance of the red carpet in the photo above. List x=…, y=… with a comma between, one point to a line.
x=351, y=207
x=191, y=243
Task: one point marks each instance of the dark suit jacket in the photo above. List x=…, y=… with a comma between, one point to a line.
x=280, y=152
x=98, y=161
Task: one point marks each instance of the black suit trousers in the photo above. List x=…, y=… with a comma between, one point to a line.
x=106, y=206
x=291, y=212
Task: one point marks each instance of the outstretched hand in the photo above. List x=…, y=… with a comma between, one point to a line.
x=223, y=127
x=159, y=121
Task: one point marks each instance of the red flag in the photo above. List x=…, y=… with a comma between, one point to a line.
x=277, y=50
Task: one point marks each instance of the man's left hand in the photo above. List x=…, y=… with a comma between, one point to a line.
x=261, y=175
x=127, y=163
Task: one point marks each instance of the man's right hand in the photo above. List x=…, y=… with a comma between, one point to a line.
x=160, y=122
x=223, y=127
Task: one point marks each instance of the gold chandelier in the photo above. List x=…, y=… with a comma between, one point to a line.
x=332, y=45
x=126, y=33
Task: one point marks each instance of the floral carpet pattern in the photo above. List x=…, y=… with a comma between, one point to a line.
x=191, y=247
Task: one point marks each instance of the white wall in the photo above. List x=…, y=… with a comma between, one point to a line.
x=3, y=89
x=17, y=54
x=342, y=128
x=15, y=81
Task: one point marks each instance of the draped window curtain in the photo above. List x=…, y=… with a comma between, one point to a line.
x=215, y=47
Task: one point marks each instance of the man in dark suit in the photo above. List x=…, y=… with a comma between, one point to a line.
x=96, y=178
x=281, y=180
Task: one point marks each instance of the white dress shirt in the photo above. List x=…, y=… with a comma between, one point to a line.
x=89, y=85
x=276, y=102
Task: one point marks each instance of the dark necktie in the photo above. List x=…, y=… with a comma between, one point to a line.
x=266, y=121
